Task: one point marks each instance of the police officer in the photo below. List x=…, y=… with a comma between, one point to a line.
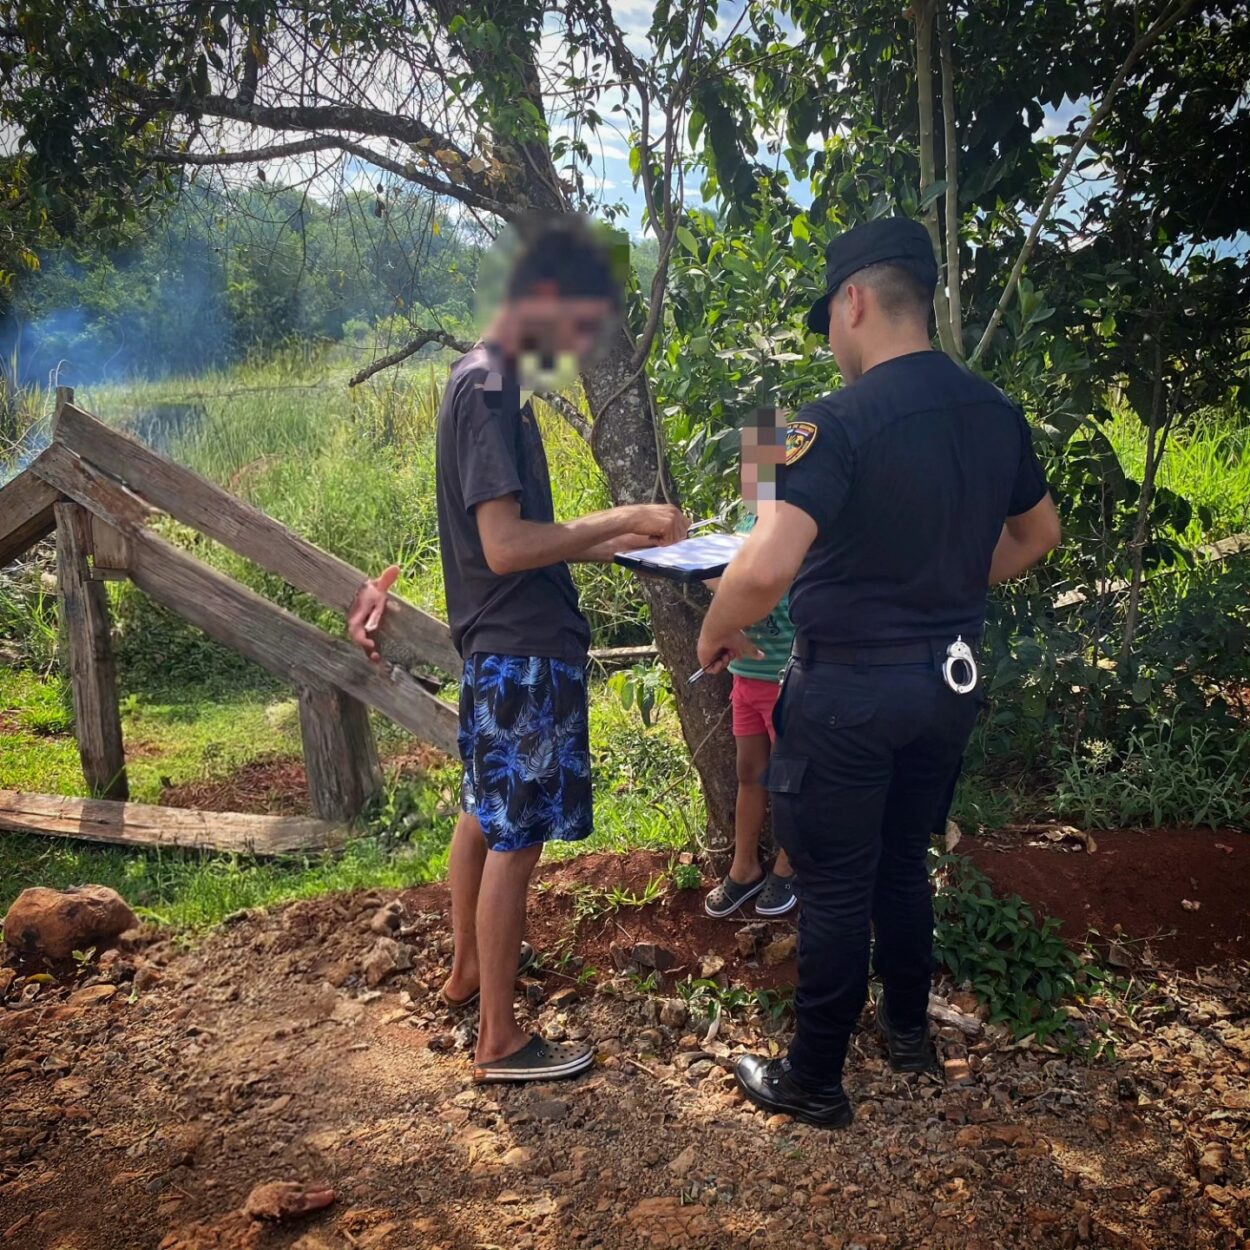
x=906, y=495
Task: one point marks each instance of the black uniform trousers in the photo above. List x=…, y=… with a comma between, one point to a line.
x=864, y=763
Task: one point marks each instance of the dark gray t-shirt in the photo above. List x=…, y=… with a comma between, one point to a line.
x=489, y=446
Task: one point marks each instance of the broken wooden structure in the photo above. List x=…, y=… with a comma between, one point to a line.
x=100, y=491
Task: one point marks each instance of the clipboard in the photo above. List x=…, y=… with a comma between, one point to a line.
x=691, y=560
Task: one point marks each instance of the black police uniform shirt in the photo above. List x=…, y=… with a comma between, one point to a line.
x=909, y=474
x=489, y=447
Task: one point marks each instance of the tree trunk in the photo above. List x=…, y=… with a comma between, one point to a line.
x=1156, y=440
x=924, y=11
x=954, y=299
x=625, y=445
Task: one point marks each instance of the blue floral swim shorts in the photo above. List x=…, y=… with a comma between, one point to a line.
x=525, y=744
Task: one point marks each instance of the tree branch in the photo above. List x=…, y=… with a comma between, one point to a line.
x=951, y=170
x=558, y=403
x=567, y=409
x=423, y=339
x=1164, y=23
x=335, y=143
x=274, y=151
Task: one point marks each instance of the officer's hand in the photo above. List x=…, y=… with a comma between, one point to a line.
x=715, y=654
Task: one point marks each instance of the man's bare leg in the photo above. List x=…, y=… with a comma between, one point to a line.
x=468, y=857
x=500, y=928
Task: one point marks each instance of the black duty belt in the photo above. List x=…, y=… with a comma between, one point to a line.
x=928, y=652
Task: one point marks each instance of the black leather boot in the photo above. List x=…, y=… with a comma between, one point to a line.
x=769, y=1083
x=910, y=1050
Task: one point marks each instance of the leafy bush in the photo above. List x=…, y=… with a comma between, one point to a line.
x=647, y=687
x=1022, y=970
x=1056, y=680
x=1163, y=776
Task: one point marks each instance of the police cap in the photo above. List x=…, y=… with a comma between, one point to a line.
x=897, y=239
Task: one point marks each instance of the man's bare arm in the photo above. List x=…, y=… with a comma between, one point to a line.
x=603, y=553
x=1025, y=540
x=512, y=544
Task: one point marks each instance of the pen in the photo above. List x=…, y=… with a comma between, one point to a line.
x=695, y=676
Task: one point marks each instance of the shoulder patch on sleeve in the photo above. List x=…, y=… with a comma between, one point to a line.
x=800, y=437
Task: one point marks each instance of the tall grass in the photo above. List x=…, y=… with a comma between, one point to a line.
x=1207, y=463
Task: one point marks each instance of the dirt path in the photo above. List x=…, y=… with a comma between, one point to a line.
x=140, y=1111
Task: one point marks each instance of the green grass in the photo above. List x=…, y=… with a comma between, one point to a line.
x=188, y=891
x=1208, y=464
x=194, y=733
x=180, y=735
x=353, y=471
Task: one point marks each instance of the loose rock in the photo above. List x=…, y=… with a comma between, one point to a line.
x=286, y=1200
x=782, y=949
x=48, y=926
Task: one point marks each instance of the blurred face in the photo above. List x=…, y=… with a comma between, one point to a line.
x=556, y=335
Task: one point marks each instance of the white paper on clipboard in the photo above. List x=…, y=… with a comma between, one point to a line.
x=688, y=560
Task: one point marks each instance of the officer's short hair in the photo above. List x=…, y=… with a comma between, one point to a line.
x=900, y=291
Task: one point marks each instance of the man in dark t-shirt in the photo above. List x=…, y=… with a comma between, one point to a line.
x=906, y=495
x=514, y=617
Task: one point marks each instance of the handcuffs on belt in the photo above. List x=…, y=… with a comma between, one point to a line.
x=960, y=653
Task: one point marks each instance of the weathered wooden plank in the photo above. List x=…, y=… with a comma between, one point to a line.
x=340, y=755
x=109, y=553
x=141, y=824
x=25, y=514
x=408, y=635
x=93, y=675
x=276, y=639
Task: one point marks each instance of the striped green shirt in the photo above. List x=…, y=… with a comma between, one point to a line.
x=773, y=635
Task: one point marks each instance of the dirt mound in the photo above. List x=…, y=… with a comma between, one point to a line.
x=278, y=785
x=145, y=1105
x=1182, y=892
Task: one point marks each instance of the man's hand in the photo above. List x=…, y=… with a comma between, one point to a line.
x=715, y=653
x=365, y=614
x=660, y=522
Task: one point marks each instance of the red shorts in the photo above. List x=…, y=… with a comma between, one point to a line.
x=753, y=702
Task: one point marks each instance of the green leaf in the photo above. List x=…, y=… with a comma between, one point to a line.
x=932, y=193
x=685, y=237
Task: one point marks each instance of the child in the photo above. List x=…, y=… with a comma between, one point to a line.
x=756, y=685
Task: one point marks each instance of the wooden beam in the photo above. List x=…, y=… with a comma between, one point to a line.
x=25, y=514
x=408, y=635
x=139, y=824
x=110, y=555
x=93, y=675
x=276, y=639
x=340, y=755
